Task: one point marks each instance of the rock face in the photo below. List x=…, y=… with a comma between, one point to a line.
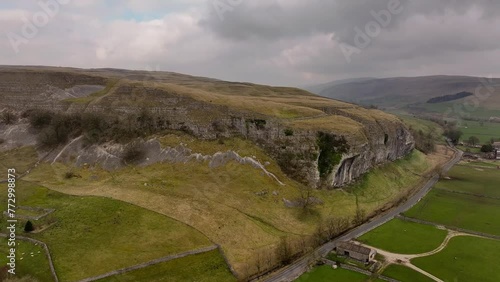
x=373, y=139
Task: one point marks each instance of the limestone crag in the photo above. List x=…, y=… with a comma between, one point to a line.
x=295, y=149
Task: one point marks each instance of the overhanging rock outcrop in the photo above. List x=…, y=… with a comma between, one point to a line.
x=320, y=142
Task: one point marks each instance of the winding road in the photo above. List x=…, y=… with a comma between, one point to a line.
x=297, y=268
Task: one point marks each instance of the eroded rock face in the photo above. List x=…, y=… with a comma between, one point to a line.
x=297, y=154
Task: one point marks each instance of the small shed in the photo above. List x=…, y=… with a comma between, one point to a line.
x=356, y=252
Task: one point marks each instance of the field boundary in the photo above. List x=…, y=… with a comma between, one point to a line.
x=458, y=229
x=467, y=193
x=45, y=247
x=150, y=263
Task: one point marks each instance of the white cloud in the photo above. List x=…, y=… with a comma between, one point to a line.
x=275, y=42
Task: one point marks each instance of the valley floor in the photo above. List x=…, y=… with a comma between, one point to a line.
x=450, y=235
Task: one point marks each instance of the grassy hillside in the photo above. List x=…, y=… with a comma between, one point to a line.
x=235, y=205
x=88, y=236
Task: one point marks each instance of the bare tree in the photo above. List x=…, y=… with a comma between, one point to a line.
x=284, y=251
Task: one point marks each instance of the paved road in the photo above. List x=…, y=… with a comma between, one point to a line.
x=294, y=270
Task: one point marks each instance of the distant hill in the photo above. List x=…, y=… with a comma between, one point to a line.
x=448, y=98
x=317, y=89
x=412, y=93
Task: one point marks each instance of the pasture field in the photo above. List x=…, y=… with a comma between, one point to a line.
x=403, y=273
x=459, y=210
x=484, y=131
x=475, y=178
x=471, y=212
x=464, y=259
x=481, y=112
x=326, y=273
x=88, y=236
x=204, y=267
x=398, y=236
x=31, y=260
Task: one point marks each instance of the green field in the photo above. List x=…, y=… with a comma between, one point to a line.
x=484, y=132
x=469, y=149
x=464, y=259
x=403, y=273
x=481, y=112
x=204, y=267
x=326, y=273
x=463, y=211
x=31, y=260
x=475, y=178
x=398, y=236
x=93, y=235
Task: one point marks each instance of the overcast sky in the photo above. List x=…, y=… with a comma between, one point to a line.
x=278, y=42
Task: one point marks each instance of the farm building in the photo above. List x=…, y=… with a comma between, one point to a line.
x=356, y=252
x=496, y=147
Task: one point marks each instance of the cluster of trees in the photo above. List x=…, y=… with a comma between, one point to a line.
x=57, y=128
x=292, y=247
x=424, y=142
x=447, y=98
x=452, y=133
x=473, y=141
x=8, y=117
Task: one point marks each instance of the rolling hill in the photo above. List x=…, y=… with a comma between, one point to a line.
x=400, y=92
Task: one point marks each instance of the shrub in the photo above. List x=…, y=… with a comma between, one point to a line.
x=133, y=154
x=488, y=148
x=331, y=150
x=70, y=174
x=29, y=227
x=288, y=132
x=260, y=124
x=39, y=118
x=8, y=117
